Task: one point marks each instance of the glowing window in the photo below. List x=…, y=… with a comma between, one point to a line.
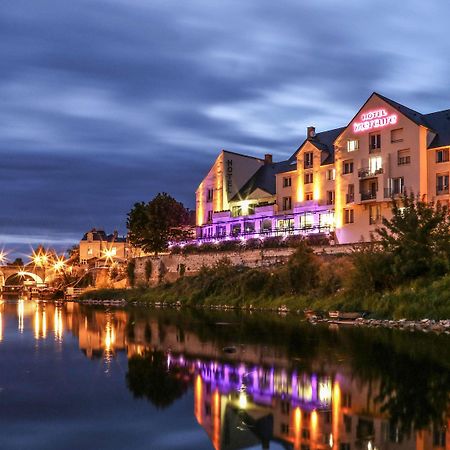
x=352, y=145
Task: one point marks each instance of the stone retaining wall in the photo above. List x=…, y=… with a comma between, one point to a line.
x=168, y=268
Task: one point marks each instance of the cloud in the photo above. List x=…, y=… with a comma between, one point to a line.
x=105, y=102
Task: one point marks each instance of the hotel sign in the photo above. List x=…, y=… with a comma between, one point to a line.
x=374, y=119
x=229, y=176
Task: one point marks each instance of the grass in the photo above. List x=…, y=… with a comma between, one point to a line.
x=270, y=288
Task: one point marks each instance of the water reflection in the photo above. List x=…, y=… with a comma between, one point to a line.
x=258, y=380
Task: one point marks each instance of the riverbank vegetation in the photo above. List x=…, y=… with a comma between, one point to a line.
x=403, y=272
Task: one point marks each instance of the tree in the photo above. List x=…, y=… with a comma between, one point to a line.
x=417, y=237
x=152, y=226
x=149, y=377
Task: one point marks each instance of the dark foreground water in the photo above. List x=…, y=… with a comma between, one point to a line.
x=77, y=377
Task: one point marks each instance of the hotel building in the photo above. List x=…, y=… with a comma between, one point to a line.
x=339, y=181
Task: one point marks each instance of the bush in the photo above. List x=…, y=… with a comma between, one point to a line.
x=253, y=244
x=303, y=269
x=274, y=242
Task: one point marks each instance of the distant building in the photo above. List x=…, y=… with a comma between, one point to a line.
x=338, y=182
x=96, y=244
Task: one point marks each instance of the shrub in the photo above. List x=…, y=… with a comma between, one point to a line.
x=130, y=272
x=226, y=246
x=253, y=244
x=274, y=242
x=303, y=269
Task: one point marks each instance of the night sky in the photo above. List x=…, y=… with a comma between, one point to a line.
x=104, y=103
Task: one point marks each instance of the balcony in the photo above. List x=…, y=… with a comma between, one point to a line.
x=374, y=149
x=368, y=196
x=390, y=192
x=444, y=190
x=366, y=172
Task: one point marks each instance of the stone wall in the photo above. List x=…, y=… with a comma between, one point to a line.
x=168, y=268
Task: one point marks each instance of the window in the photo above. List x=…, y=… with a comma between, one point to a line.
x=285, y=408
x=347, y=166
x=398, y=185
x=352, y=145
x=236, y=229
x=326, y=220
x=403, y=157
x=348, y=423
x=349, y=216
x=308, y=160
x=306, y=220
x=442, y=155
x=442, y=184
x=309, y=196
x=89, y=251
x=350, y=196
x=374, y=142
x=308, y=178
x=344, y=446
x=287, y=203
x=347, y=400
x=284, y=428
x=113, y=251
x=236, y=211
x=221, y=231
x=249, y=227
x=251, y=209
x=209, y=195
x=397, y=135
x=374, y=216
x=376, y=165
x=331, y=174
x=210, y=214
x=439, y=438
x=285, y=224
x=266, y=225
x=330, y=197
x=287, y=182
x=305, y=433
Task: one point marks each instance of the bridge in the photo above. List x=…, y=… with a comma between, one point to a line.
x=12, y=275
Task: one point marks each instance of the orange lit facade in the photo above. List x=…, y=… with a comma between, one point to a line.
x=338, y=182
x=97, y=245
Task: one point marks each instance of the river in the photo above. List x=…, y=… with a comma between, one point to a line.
x=91, y=377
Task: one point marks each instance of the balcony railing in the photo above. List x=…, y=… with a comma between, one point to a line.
x=374, y=149
x=391, y=192
x=349, y=198
x=366, y=172
x=305, y=229
x=442, y=190
x=368, y=196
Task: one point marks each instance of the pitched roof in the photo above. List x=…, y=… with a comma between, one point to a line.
x=324, y=141
x=440, y=123
x=100, y=235
x=411, y=114
x=264, y=178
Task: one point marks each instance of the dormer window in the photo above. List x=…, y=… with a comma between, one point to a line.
x=308, y=160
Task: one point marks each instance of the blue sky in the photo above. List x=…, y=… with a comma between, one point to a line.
x=104, y=103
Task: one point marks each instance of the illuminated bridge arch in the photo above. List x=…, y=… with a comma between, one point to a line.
x=21, y=274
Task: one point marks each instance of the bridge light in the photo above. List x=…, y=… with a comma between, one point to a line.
x=3, y=257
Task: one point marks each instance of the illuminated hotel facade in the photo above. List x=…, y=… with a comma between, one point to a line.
x=339, y=181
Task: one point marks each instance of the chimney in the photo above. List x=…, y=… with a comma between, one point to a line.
x=267, y=158
x=310, y=132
